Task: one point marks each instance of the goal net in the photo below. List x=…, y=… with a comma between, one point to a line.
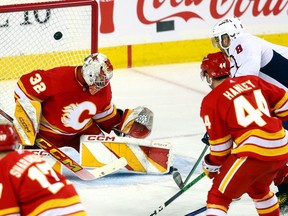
x=42, y=35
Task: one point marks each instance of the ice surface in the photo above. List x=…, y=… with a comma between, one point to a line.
x=173, y=93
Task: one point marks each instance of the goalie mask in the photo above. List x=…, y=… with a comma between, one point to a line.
x=8, y=137
x=97, y=72
x=225, y=31
x=214, y=65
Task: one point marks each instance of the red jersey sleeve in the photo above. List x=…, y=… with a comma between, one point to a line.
x=277, y=98
x=213, y=115
x=40, y=84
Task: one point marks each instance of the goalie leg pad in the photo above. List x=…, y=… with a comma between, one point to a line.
x=159, y=159
x=27, y=120
x=140, y=158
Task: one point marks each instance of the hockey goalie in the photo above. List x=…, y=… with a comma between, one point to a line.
x=73, y=105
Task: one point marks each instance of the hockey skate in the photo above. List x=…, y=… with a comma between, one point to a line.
x=283, y=203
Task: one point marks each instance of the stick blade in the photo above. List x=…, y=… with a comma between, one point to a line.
x=178, y=179
x=109, y=168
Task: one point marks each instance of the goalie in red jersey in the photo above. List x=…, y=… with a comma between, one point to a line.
x=248, y=144
x=29, y=186
x=77, y=100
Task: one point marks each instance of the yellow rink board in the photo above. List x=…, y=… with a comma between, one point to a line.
x=171, y=52
x=140, y=54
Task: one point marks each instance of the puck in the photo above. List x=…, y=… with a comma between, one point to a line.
x=58, y=35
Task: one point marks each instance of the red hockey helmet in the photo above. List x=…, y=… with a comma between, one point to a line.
x=8, y=137
x=215, y=65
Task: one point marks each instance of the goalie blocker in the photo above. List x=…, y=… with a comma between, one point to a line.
x=143, y=156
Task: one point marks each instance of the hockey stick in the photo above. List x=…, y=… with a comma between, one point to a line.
x=68, y=162
x=196, y=212
x=177, y=176
x=161, y=207
x=202, y=209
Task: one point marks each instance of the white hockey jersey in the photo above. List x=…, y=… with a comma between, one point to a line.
x=251, y=55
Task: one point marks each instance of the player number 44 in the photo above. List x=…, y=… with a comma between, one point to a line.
x=246, y=114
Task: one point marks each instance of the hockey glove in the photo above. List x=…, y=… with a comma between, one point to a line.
x=205, y=139
x=136, y=123
x=282, y=176
x=210, y=170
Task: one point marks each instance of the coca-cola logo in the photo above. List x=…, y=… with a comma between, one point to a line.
x=156, y=5
x=238, y=7
x=191, y=9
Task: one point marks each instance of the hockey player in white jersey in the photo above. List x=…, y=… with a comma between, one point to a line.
x=251, y=55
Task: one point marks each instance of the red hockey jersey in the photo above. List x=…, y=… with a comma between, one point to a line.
x=67, y=108
x=29, y=186
x=243, y=110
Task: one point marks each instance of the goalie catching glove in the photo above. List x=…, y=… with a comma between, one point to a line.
x=135, y=123
x=210, y=170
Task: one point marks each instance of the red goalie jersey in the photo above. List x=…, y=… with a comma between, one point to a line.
x=65, y=105
x=77, y=100
x=29, y=186
x=68, y=109
x=238, y=110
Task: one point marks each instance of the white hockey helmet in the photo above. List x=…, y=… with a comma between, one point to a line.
x=97, y=71
x=225, y=31
x=238, y=24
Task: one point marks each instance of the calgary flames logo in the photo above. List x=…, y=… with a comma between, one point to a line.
x=72, y=113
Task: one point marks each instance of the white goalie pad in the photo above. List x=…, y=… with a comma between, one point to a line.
x=27, y=119
x=143, y=156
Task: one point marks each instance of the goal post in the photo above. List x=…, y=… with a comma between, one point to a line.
x=42, y=34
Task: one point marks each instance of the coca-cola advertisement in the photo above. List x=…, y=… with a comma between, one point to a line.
x=142, y=21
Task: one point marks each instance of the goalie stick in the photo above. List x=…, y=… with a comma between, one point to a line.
x=177, y=176
x=185, y=188
x=68, y=162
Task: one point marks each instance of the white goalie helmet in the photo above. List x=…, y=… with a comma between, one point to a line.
x=225, y=31
x=97, y=71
